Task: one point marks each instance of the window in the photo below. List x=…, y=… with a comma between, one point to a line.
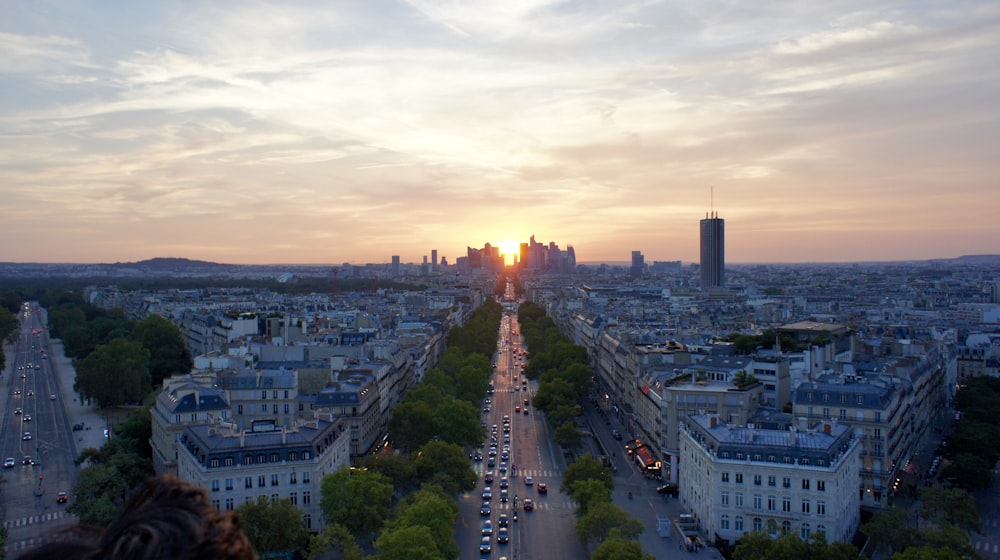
x=843, y=414
x=248, y=500
x=772, y=502
x=821, y=529
x=275, y=457
x=239, y=409
x=213, y=464
x=309, y=520
x=843, y=397
x=229, y=461
x=756, y=479
x=725, y=498
x=820, y=508
x=215, y=486
x=248, y=482
x=826, y=412
x=261, y=481
x=772, y=480
x=805, y=483
x=261, y=458
x=294, y=498
x=786, y=482
x=878, y=416
x=263, y=395
x=877, y=433
x=293, y=478
x=274, y=480
x=786, y=504
x=739, y=478
x=274, y=408
x=861, y=399
x=739, y=499
x=305, y=475
x=263, y=407
x=293, y=456
x=248, y=460
x=739, y=522
x=826, y=396
x=229, y=504
x=757, y=501
x=286, y=408
x=758, y=525
x=805, y=506
x=229, y=484
x=274, y=394
x=306, y=499
x=274, y=497
x=821, y=485
x=804, y=532
x=786, y=527
x=724, y=522
x=286, y=393
x=725, y=477
x=216, y=504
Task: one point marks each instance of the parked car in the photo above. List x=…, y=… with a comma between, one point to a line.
x=8, y=463
x=669, y=489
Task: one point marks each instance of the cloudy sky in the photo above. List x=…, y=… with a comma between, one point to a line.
x=350, y=131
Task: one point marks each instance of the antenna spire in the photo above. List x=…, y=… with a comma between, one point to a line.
x=712, y=200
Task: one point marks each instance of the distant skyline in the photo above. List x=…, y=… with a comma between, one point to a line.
x=302, y=132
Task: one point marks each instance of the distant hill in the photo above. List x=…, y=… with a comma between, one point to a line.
x=174, y=263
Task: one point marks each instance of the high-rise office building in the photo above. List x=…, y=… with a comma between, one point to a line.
x=713, y=251
x=638, y=262
x=434, y=259
x=395, y=265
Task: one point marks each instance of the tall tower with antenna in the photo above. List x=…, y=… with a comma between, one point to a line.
x=713, y=248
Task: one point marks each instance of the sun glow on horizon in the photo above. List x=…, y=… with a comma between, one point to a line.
x=509, y=247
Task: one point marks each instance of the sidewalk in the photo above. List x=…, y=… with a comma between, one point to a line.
x=93, y=433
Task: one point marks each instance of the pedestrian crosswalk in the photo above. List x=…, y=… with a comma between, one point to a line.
x=537, y=474
x=41, y=518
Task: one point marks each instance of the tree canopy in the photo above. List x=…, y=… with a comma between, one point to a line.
x=357, y=499
x=114, y=374
x=273, y=525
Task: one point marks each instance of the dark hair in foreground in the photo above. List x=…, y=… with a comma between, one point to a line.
x=167, y=519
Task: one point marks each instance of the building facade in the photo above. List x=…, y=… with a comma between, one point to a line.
x=738, y=479
x=713, y=252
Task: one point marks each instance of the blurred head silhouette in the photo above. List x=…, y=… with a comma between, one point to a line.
x=167, y=519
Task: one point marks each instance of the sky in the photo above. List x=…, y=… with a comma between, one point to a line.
x=351, y=131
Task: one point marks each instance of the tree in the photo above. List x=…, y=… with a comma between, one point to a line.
x=334, y=543
x=889, y=529
x=603, y=517
x=274, y=526
x=759, y=546
x=100, y=495
x=457, y=421
x=926, y=553
x=407, y=543
x=430, y=507
x=411, y=425
x=444, y=464
x=586, y=467
x=568, y=437
x=968, y=471
x=949, y=506
x=620, y=549
x=396, y=466
x=114, y=374
x=168, y=354
x=358, y=500
x=471, y=384
x=588, y=492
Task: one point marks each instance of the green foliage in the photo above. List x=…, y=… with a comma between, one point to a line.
x=168, y=354
x=432, y=508
x=457, y=422
x=620, y=549
x=760, y=546
x=444, y=464
x=335, y=541
x=943, y=506
x=274, y=526
x=589, y=492
x=889, y=529
x=114, y=374
x=586, y=467
x=359, y=500
x=568, y=437
x=927, y=553
x=411, y=425
x=100, y=493
x=407, y=543
x=604, y=517
x=396, y=466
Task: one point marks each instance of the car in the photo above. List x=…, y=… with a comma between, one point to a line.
x=17, y=393
x=27, y=418
x=487, y=527
x=478, y=456
x=488, y=477
x=31, y=393
x=528, y=504
x=525, y=402
x=487, y=493
x=525, y=411
x=17, y=410
x=503, y=535
x=669, y=489
x=517, y=409
x=485, y=510
x=484, y=546
x=486, y=409
x=493, y=451
x=61, y=498
x=504, y=482
x=503, y=496
x=542, y=488
x=27, y=461
x=78, y=427
x=616, y=434
x=529, y=480
x=505, y=456
x=491, y=462
x=503, y=521
x=503, y=468
x=26, y=436
x=8, y=463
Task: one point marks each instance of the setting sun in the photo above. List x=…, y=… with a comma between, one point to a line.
x=509, y=247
